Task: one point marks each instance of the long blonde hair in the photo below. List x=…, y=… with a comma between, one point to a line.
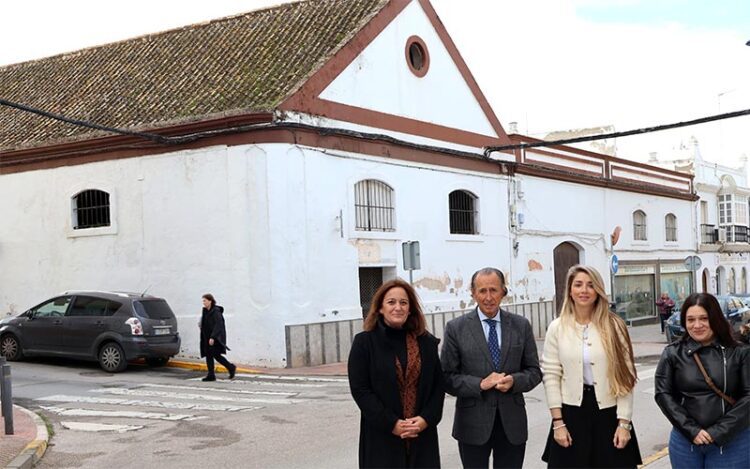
x=615, y=338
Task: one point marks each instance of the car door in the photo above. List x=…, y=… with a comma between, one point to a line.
x=86, y=320
x=43, y=331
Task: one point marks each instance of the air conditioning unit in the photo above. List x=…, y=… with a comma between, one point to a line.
x=722, y=235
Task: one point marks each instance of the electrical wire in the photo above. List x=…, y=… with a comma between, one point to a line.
x=626, y=133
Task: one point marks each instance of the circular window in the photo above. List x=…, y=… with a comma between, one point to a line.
x=417, y=57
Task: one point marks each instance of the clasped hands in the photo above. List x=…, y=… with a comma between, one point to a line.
x=499, y=381
x=703, y=438
x=409, y=428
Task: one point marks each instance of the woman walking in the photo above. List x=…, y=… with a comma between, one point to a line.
x=589, y=376
x=214, y=337
x=703, y=388
x=396, y=380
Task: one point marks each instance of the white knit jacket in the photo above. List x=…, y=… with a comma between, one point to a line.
x=562, y=364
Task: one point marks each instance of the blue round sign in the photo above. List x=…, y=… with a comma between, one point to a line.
x=614, y=263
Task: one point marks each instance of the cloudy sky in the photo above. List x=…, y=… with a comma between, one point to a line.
x=547, y=64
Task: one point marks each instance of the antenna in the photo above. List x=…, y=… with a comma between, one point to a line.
x=144, y=291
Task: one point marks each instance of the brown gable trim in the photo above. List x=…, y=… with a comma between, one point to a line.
x=572, y=159
x=577, y=178
x=307, y=98
x=120, y=148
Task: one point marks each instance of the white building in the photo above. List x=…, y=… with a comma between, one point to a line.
x=313, y=147
x=722, y=219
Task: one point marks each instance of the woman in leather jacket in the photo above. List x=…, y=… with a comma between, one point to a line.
x=708, y=430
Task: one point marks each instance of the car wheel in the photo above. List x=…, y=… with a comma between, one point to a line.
x=157, y=361
x=10, y=347
x=112, y=358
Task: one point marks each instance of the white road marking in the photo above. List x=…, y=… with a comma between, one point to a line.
x=646, y=374
x=232, y=391
x=251, y=382
x=99, y=427
x=67, y=412
x=301, y=378
x=194, y=397
x=139, y=402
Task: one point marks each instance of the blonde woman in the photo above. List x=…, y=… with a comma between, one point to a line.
x=589, y=376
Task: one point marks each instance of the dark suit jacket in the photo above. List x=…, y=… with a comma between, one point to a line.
x=374, y=386
x=466, y=361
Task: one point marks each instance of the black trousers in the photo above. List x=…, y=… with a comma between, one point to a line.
x=210, y=356
x=504, y=453
x=593, y=431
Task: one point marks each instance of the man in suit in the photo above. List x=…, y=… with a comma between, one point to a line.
x=489, y=359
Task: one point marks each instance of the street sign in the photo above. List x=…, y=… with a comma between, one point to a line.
x=412, y=259
x=693, y=263
x=614, y=263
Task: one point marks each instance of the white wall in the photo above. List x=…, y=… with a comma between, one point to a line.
x=255, y=225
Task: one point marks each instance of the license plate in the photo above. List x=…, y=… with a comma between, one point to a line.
x=161, y=331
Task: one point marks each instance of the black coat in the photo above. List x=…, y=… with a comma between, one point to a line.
x=212, y=327
x=374, y=386
x=688, y=402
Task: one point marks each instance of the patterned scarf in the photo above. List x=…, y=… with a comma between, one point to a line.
x=407, y=384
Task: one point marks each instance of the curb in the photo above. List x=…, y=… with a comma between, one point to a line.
x=34, y=450
x=202, y=367
x=655, y=457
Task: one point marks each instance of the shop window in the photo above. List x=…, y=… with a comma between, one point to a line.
x=670, y=224
x=634, y=296
x=639, y=226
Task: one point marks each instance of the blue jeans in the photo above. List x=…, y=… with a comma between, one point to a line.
x=683, y=454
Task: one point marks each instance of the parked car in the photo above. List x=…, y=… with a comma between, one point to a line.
x=109, y=327
x=736, y=310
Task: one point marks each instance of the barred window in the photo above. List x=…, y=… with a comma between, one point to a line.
x=373, y=204
x=462, y=207
x=639, y=226
x=670, y=225
x=90, y=209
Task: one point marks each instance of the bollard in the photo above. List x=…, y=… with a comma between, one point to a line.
x=7, y=403
x=2, y=407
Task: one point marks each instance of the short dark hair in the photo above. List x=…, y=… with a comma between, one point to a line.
x=716, y=319
x=210, y=298
x=489, y=271
x=414, y=322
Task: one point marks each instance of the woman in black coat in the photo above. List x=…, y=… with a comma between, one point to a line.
x=396, y=380
x=214, y=337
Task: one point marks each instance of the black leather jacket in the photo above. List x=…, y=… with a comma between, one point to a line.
x=688, y=402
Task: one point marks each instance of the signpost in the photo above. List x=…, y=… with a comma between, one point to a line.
x=614, y=266
x=412, y=260
x=693, y=263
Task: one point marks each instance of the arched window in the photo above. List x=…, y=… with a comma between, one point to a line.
x=732, y=281
x=373, y=205
x=639, y=226
x=670, y=226
x=90, y=209
x=743, y=281
x=462, y=208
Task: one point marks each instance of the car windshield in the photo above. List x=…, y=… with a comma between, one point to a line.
x=153, y=309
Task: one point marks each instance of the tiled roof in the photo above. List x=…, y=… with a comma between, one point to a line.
x=240, y=64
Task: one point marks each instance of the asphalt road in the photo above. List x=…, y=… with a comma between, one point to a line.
x=168, y=418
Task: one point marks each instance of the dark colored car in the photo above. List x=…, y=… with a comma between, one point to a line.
x=109, y=327
x=735, y=309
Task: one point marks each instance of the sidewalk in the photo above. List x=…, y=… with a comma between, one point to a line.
x=28, y=442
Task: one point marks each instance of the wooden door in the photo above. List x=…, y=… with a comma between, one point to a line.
x=566, y=256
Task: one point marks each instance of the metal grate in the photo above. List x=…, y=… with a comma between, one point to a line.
x=639, y=226
x=373, y=204
x=370, y=279
x=90, y=209
x=463, y=212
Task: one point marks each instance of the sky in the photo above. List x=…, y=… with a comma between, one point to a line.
x=549, y=65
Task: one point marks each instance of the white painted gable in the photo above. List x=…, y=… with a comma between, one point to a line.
x=379, y=79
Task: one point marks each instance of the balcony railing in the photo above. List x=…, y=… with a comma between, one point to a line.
x=709, y=234
x=736, y=234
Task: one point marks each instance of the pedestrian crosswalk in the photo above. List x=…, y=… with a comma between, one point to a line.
x=125, y=408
